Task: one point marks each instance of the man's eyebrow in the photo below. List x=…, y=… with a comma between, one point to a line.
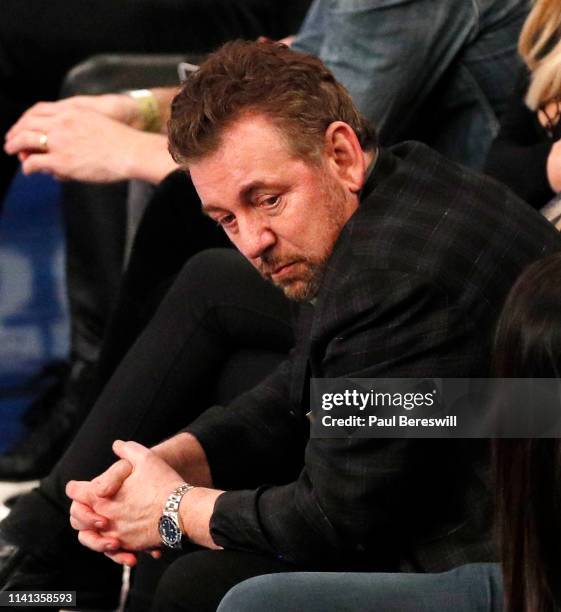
x=247, y=191
x=207, y=209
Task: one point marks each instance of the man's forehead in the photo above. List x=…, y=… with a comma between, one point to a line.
x=252, y=153
x=253, y=136
x=214, y=179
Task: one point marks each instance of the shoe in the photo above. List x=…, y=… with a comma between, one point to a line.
x=11, y=501
x=10, y=557
x=21, y=571
x=52, y=421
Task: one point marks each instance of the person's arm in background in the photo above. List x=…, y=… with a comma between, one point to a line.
x=99, y=139
x=121, y=107
x=522, y=156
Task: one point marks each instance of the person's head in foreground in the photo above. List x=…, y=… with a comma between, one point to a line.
x=528, y=344
x=278, y=154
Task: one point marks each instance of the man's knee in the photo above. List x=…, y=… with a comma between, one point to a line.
x=253, y=595
x=214, y=272
x=195, y=582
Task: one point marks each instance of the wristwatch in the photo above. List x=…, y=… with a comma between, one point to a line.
x=169, y=525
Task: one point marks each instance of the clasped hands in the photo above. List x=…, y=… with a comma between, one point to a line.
x=117, y=513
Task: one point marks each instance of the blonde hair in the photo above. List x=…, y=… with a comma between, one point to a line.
x=540, y=48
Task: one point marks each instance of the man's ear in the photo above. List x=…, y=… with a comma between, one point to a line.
x=345, y=155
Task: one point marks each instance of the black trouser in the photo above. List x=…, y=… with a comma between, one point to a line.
x=218, y=306
x=217, y=311
x=40, y=40
x=104, y=304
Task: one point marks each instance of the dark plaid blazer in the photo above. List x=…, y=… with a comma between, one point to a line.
x=414, y=287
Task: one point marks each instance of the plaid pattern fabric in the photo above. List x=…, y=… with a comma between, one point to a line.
x=414, y=287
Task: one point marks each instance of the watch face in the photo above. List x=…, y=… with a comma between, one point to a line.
x=169, y=531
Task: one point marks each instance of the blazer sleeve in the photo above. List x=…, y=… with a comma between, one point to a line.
x=354, y=495
x=518, y=155
x=256, y=438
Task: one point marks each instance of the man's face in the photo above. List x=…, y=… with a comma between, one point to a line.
x=284, y=214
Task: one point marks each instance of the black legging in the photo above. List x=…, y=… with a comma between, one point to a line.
x=40, y=40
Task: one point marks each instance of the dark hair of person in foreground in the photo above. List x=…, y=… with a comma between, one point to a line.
x=528, y=471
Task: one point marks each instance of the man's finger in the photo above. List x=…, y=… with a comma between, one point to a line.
x=133, y=452
x=30, y=123
x=84, y=516
x=26, y=140
x=95, y=541
x=123, y=558
x=39, y=162
x=77, y=525
x=81, y=491
x=108, y=483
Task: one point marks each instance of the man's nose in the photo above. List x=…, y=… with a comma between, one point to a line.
x=257, y=238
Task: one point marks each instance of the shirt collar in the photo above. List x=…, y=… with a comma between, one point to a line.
x=380, y=168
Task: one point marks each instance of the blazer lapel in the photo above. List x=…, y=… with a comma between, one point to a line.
x=300, y=379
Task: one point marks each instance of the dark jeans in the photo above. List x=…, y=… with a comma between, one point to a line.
x=217, y=309
x=40, y=40
x=476, y=587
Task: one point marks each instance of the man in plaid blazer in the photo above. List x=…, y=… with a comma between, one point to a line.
x=413, y=288
x=402, y=260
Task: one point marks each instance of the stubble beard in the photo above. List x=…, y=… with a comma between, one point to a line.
x=310, y=273
x=307, y=284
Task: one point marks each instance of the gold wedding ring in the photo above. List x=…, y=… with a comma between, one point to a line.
x=44, y=142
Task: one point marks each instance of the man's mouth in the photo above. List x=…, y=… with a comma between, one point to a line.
x=282, y=271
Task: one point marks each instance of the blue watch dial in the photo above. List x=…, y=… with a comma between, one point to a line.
x=169, y=531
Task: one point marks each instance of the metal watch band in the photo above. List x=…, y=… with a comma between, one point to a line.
x=173, y=501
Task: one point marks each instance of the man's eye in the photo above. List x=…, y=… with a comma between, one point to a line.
x=226, y=220
x=270, y=202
